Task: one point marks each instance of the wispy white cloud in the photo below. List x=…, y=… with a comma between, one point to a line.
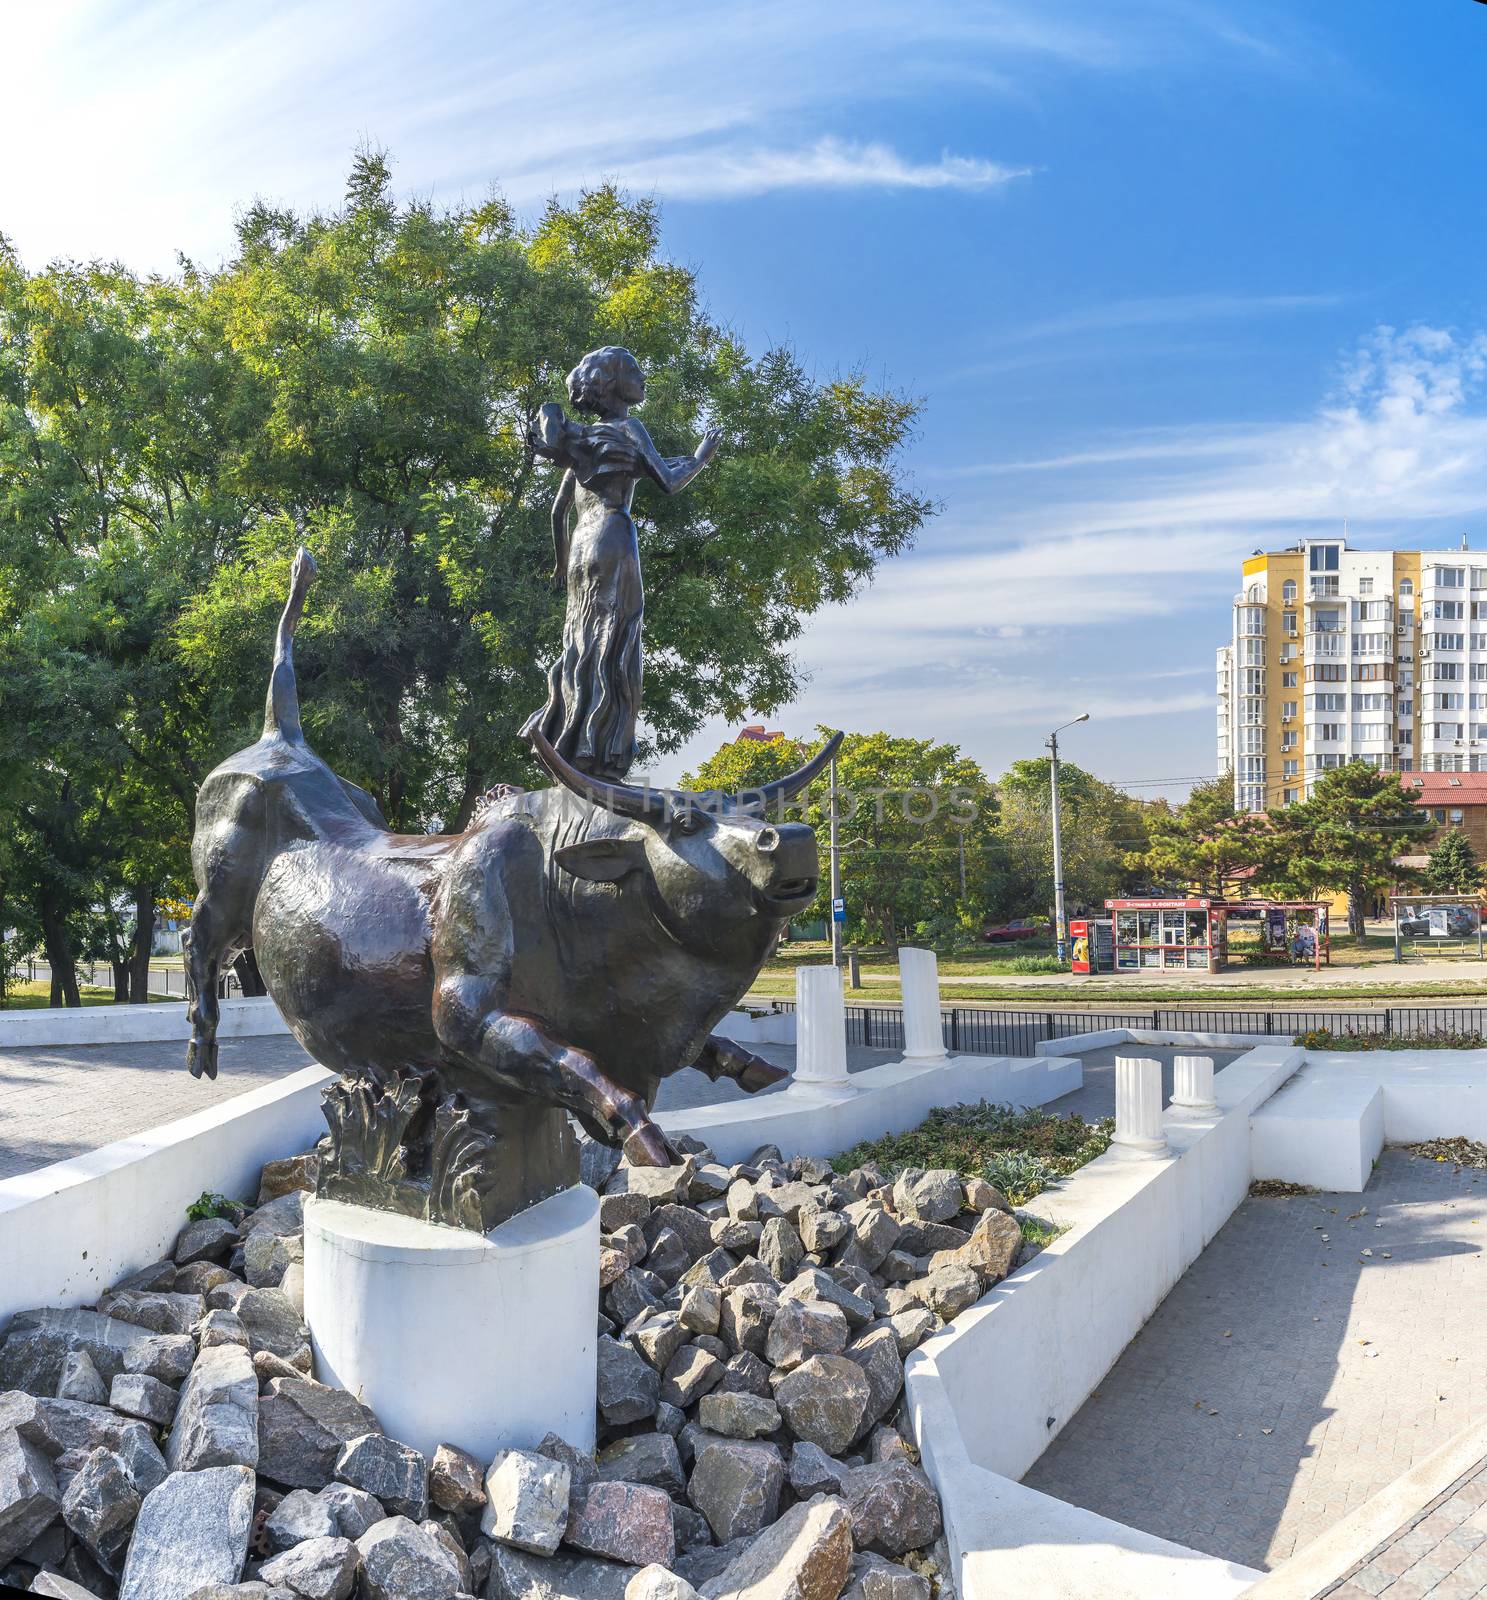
x=1166, y=310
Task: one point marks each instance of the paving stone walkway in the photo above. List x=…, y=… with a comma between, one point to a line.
x=1290, y=1375
x=1439, y=1554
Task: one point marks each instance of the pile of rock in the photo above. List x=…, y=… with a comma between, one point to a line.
x=171, y=1443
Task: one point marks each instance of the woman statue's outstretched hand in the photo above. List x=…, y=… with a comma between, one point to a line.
x=709, y=446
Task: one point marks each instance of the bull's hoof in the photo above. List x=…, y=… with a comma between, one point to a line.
x=646, y=1147
x=760, y=1074
x=201, y=1057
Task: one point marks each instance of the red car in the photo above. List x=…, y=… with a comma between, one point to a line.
x=1007, y=932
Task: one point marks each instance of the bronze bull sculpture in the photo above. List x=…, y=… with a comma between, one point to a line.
x=569, y=950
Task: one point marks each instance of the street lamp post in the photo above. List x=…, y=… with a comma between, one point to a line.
x=1061, y=925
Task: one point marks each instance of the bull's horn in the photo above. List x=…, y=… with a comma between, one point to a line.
x=648, y=805
x=781, y=789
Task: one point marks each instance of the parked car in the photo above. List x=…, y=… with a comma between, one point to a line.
x=1008, y=932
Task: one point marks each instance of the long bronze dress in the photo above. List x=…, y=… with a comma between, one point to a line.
x=593, y=697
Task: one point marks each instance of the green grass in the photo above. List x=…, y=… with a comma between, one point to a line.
x=1021, y=1153
x=38, y=996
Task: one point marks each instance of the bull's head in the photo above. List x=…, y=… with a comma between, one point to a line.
x=714, y=860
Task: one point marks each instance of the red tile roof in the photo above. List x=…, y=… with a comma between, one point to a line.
x=1446, y=788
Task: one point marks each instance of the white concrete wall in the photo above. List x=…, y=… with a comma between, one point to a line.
x=69, y=1230
x=241, y=1019
x=1007, y=1375
x=1326, y=1132
x=806, y=1120
x=1428, y=1094
x=770, y=1027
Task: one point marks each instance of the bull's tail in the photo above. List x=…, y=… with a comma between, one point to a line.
x=281, y=713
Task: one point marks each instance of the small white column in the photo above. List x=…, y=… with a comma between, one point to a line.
x=485, y=1341
x=1138, y=1107
x=820, y=1027
x=919, y=978
x=1192, y=1085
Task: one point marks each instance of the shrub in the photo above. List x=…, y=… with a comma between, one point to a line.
x=210, y=1205
x=1326, y=1039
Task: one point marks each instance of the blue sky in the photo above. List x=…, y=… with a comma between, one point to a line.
x=1174, y=281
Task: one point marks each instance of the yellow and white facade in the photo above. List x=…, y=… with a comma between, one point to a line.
x=1338, y=655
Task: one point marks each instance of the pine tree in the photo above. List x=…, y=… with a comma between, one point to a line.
x=1453, y=867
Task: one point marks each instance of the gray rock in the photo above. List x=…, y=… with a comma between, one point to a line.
x=219, y=1327
x=159, y=1312
x=167, y=1356
x=912, y=1327
x=618, y=1211
x=158, y=1275
x=596, y=1162
x=691, y=1372
x=137, y=1395
x=893, y=1505
x=456, y=1483
x=301, y=1428
x=669, y=1418
x=750, y=1270
x=990, y=1250
x=691, y=1526
x=813, y=1472
x=252, y=1589
x=142, y=1460
x=933, y=1196
x=284, y=1214
x=747, y=1313
x=876, y=1353
x=516, y=1575
x=815, y=1284
x=738, y=1416
x=689, y=1225
x=582, y=1470
x=658, y=1337
x=272, y=1321
x=628, y=1387
x=924, y=1238
x=527, y=1501
x=656, y=1582
x=710, y=1181
x=36, y=1343
x=704, y=1562
x=299, y=1516
x=980, y=1195
x=446, y=1535
x=701, y=1307
x=821, y=1231
x=100, y=1506
x=668, y=1257
x=319, y=1569
x=225, y=1296
x=650, y=1458
x=29, y=1501
x=947, y=1291
x=201, y=1277
x=805, y=1328
x=712, y=1268
x=746, y=1374
x=217, y=1421
x=898, y=1266
x=780, y=1248
x=396, y=1473
x=630, y=1295
x=657, y=1184
x=628, y=1522
x=56, y=1587
x=211, y=1239
x=56, y=1426
x=736, y=1236
x=354, y=1510
x=875, y=1578
x=787, y=1200
x=191, y=1531
x=292, y=1286
x=874, y=1234
x=267, y=1256
x=283, y=1177
x=806, y=1555
x=401, y=1562
x=80, y=1380
x=825, y=1400
x=736, y=1485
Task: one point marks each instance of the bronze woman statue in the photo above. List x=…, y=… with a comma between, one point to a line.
x=594, y=687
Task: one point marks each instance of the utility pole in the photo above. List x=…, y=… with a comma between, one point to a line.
x=836, y=877
x=1060, y=921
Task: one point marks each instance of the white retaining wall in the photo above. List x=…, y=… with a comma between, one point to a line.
x=70, y=1230
x=241, y=1019
x=989, y=1393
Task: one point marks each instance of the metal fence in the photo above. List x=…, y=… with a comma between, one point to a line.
x=168, y=983
x=982, y=1030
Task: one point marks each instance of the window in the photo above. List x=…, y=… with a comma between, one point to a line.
x=1365, y=586
x=1373, y=672
x=1254, y=680
x=1322, y=557
x=1289, y=769
x=1448, y=641
x=1326, y=702
x=1374, y=644
x=1288, y=797
x=1374, y=610
x=1406, y=708
x=1251, y=712
x=1288, y=708
x=1288, y=739
x=1322, y=763
x=1252, y=769
x=1452, y=610
x=1446, y=700
x=1288, y=592
x=1373, y=730
x=1288, y=680
x=1444, y=672
x=1327, y=672
x=1479, y=641
x=1328, y=621
x=1440, y=816
x=1330, y=732
x=1450, y=577
x=1479, y=577
x=1252, y=622
x=1456, y=815
x=1288, y=621
x=1406, y=588
x=1371, y=702
x=1252, y=740
x=1253, y=592
x=1406, y=763
x=1252, y=652
x=1445, y=730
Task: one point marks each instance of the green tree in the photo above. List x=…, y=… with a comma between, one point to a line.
x=922, y=856
x=1200, y=844
x=362, y=381
x=1104, y=835
x=1453, y=867
x=1344, y=838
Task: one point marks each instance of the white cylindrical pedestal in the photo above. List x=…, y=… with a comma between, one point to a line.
x=820, y=1027
x=924, y=1032
x=1138, y=1106
x=450, y=1337
x=1192, y=1085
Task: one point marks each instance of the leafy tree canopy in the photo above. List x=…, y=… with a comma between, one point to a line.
x=1453, y=867
x=1200, y=844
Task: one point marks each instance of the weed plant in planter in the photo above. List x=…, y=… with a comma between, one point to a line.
x=1326, y=1039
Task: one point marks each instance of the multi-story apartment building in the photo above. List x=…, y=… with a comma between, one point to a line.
x=1339, y=655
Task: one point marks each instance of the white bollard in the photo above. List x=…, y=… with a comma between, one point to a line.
x=820, y=1026
x=1192, y=1085
x=924, y=1032
x=1138, y=1106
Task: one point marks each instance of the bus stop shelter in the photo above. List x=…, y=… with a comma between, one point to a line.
x=1439, y=922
